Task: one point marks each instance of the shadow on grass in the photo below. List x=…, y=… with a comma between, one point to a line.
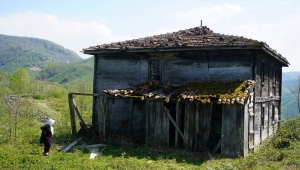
x=126, y=149
x=121, y=148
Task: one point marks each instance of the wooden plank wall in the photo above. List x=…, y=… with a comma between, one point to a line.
x=204, y=111
x=115, y=72
x=232, y=135
x=194, y=66
x=197, y=125
x=158, y=125
x=138, y=126
x=267, y=95
x=230, y=66
x=190, y=67
x=119, y=118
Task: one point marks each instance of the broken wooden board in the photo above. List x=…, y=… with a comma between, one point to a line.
x=66, y=149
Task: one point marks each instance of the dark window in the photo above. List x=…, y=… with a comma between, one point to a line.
x=155, y=70
x=273, y=113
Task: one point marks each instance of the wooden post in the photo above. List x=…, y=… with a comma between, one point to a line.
x=108, y=120
x=186, y=123
x=147, y=121
x=79, y=116
x=178, y=122
x=174, y=123
x=196, y=126
x=104, y=119
x=130, y=116
x=72, y=114
x=100, y=109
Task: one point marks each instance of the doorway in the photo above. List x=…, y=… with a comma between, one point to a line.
x=215, y=128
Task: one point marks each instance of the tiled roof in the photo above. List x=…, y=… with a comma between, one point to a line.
x=224, y=92
x=194, y=37
x=198, y=36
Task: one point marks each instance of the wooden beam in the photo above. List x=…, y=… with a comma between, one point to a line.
x=147, y=121
x=79, y=116
x=84, y=94
x=104, y=119
x=66, y=149
x=130, y=116
x=72, y=115
x=217, y=147
x=100, y=109
x=174, y=123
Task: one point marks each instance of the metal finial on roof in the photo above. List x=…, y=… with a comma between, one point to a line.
x=201, y=23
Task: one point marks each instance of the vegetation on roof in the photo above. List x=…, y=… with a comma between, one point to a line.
x=226, y=92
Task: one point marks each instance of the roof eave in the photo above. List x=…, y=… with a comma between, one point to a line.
x=172, y=49
x=284, y=62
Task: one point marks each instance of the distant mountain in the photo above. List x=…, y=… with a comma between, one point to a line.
x=32, y=53
x=289, y=106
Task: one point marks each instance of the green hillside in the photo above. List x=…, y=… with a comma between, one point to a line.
x=31, y=53
x=71, y=73
x=289, y=106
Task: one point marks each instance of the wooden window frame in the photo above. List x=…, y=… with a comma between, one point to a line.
x=155, y=72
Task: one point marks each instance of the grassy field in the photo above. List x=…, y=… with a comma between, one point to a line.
x=21, y=149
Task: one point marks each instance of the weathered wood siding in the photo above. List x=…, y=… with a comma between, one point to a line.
x=138, y=123
x=193, y=66
x=229, y=66
x=119, y=116
x=248, y=127
x=204, y=117
x=158, y=125
x=185, y=67
x=197, y=118
x=116, y=72
x=267, y=98
x=232, y=126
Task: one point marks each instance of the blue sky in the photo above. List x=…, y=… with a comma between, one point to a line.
x=79, y=24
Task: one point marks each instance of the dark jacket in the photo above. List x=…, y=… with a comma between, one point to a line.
x=46, y=133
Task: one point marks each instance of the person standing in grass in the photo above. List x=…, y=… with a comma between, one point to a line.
x=46, y=136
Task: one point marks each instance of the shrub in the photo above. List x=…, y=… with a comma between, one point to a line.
x=287, y=134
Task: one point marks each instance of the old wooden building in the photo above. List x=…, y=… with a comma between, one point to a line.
x=192, y=89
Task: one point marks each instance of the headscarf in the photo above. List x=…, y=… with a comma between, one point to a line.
x=51, y=122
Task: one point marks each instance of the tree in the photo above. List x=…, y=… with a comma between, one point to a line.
x=295, y=89
x=20, y=81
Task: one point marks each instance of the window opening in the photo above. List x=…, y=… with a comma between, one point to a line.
x=155, y=70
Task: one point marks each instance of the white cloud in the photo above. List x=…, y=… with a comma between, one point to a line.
x=210, y=14
x=73, y=35
x=283, y=36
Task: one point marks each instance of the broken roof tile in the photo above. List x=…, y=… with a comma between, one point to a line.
x=224, y=92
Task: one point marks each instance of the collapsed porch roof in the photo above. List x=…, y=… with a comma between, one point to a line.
x=224, y=92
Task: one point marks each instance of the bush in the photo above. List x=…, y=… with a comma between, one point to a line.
x=287, y=134
x=57, y=93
